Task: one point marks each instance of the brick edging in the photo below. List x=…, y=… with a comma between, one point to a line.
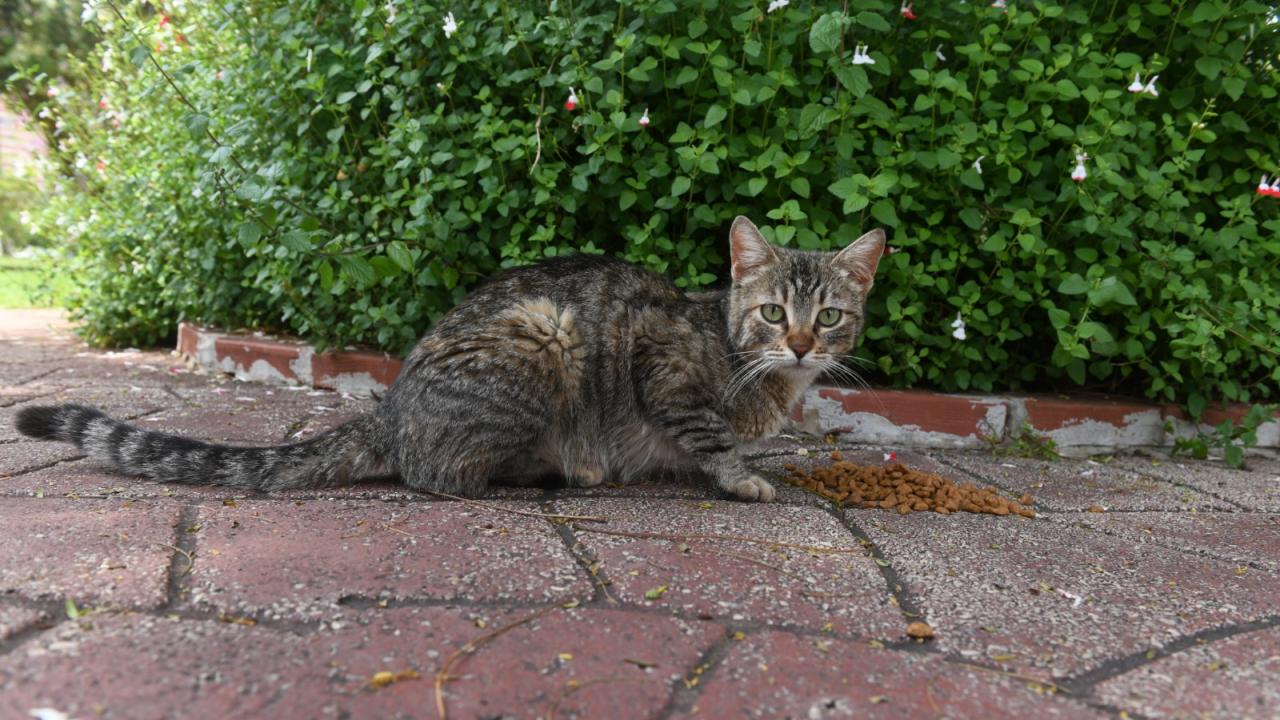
x=892, y=417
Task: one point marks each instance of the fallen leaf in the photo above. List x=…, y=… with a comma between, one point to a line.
x=655, y=593
x=385, y=678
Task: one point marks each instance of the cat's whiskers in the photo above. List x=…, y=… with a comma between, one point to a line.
x=744, y=375
x=840, y=371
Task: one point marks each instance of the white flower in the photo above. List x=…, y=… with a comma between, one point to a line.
x=958, y=327
x=1150, y=89
x=310, y=52
x=107, y=63
x=860, y=56
x=938, y=51
x=47, y=714
x=778, y=5
x=1263, y=187
x=1136, y=85
x=644, y=119
x=977, y=164
x=1079, y=174
x=440, y=87
x=391, y=12
x=450, y=25
x=1000, y=4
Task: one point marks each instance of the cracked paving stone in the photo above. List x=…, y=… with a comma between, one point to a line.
x=98, y=553
x=1241, y=538
x=298, y=560
x=1228, y=679
x=1257, y=488
x=777, y=675
x=571, y=663
x=1066, y=484
x=993, y=589
x=734, y=580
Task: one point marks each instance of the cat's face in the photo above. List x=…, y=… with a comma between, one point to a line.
x=798, y=312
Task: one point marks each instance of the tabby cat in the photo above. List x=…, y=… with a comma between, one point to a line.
x=585, y=367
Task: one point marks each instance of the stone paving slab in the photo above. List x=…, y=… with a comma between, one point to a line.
x=299, y=560
x=776, y=675
x=583, y=663
x=122, y=403
x=1067, y=484
x=98, y=553
x=738, y=581
x=1229, y=679
x=1244, y=539
x=991, y=586
x=1257, y=488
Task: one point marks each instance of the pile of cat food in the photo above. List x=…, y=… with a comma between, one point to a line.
x=898, y=487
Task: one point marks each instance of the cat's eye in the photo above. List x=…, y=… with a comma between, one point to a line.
x=772, y=313
x=829, y=316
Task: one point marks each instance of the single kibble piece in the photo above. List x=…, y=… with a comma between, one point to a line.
x=920, y=630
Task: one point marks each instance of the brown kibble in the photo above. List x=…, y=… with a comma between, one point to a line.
x=920, y=630
x=898, y=487
x=1096, y=509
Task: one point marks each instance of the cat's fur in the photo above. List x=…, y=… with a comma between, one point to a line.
x=586, y=367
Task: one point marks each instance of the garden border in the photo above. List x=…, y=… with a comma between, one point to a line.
x=1077, y=424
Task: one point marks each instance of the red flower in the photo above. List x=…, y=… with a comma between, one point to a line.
x=164, y=20
x=907, y=11
x=572, y=102
x=102, y=104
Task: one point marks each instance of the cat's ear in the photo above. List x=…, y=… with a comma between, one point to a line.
x=748, y=250
x=860, y=260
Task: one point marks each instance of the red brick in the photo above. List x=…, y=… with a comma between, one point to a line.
x=570, y=663
x=327, y=368
x=21, y=457
x=244, y=352
x=298, y=560
x=99, y=553
x=775, y=675
x=1230, y=678
x=16, y=619
x=188, y=339
x=1047, y=413
x=1243, y=539
x=931, y=412
x=734, y=580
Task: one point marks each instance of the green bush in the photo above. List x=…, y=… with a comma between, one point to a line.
x=344, y=171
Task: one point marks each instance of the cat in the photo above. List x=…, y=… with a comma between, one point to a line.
x=585, y=367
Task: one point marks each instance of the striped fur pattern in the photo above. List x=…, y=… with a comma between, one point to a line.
x=587, y=368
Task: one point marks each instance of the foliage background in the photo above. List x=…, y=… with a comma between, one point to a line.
x=344, y=171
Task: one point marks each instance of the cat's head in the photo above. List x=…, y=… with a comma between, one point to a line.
x=794, y=311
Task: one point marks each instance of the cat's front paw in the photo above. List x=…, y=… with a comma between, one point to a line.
x=585, y=476
x=751, y=487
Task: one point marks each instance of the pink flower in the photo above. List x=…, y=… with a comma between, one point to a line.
x=164, y=20
x=906, y=10
x=101, y=165
x=572, y=102
x=102, y=103
x=644, y=119
x=160, y=47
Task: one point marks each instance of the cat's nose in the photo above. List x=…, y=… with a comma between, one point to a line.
x=800, y=346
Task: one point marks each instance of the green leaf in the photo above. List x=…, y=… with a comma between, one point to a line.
x=971, y=217
x=824, y=36
x=715, y=114
x=755, y=185
x=1209, y=67
x=296, y=240
x=680, y=185
x=1195, y=405
x=357, y=269
x=873, y=21
x=73, y=612
x=249, y=233
x=1073, y=284
x=1111, y=291
x=1233, y=455
x=399, y=253
x=884, y=212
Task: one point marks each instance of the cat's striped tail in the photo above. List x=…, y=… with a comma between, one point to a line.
x=336, y=457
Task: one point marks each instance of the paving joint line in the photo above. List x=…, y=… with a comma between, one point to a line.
x=585, y=559
x=1194, y=552
x=183, y=562
x=51, y=615
x=683, y=696
x=38, y=468
x=1085, y=682
x=903, y=598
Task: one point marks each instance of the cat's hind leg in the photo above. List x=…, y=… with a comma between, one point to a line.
x=479, y=400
